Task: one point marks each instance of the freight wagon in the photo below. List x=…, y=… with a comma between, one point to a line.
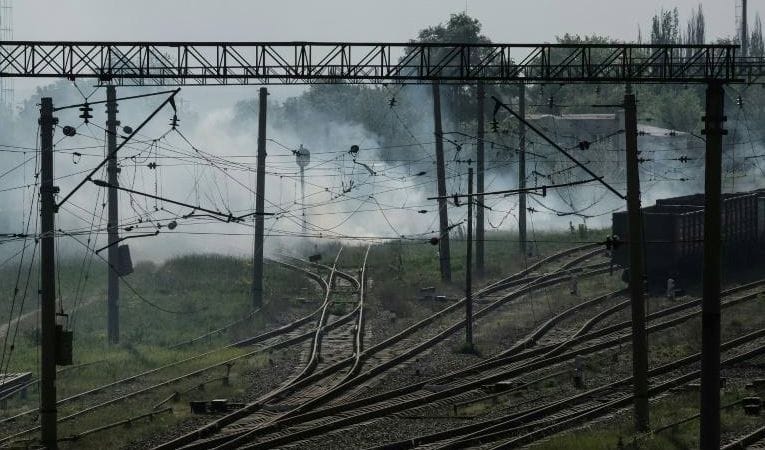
x=673, y=233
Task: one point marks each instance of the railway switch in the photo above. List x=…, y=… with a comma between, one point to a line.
x=198, y=407
x=579, y=382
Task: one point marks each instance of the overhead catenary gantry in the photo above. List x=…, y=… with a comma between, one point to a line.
x=259, y=63
x=243, y=63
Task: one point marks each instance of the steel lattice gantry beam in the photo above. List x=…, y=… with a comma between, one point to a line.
x=216, y=63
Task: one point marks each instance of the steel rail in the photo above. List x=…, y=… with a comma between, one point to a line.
x=246, y=342
x=391, y=406
x=745, y=441
x=623, y=402
x=236, y=439
x=248, y=409
x=470, y=434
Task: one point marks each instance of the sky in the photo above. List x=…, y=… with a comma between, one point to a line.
x=352, y=20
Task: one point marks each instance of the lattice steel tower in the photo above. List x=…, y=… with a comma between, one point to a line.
x=6, y=34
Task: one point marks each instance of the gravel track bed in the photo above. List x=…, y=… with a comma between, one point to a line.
x=399, y=427
x=258, y=381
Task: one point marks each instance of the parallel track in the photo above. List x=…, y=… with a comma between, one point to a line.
x=526, y=279
x=275, y=339
x=330, y=418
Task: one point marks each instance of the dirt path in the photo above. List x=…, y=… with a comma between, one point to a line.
x=4, y=326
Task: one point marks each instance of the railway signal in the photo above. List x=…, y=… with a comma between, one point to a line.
x=302, y=159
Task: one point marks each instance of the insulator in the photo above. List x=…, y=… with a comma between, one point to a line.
x=86, y=110
x=174, y=121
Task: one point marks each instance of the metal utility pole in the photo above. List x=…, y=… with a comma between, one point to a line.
x=443, y=242
x=469, y=267
x=639, y=337
x=479, y=219
x=112, y=225
x=47, y=277
x=303, y=158
x=522, y=169
x=260, y=188
x=710, y=307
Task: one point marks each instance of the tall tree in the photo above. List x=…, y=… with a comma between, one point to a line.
x=756, y=43
x=696, y=32
x=665, y=27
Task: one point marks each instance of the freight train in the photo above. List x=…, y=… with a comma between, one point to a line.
x=673, y=233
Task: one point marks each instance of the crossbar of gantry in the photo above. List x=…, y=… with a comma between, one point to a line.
x=243, y=63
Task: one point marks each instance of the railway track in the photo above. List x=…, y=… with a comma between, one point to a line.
x=333, y=356
x=754, y=441
x=370, y=368
x=453, y=385
x=147, y=382
x=528, y=426
x=281, y=337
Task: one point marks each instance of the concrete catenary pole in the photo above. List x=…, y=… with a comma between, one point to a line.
x=469, y=268
x=443, y=243
x=112, y=225
x=635, y=230
x=710, y=306
x=260, y=188
x=480, y=155
x=522, y=169
x=47, y=277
